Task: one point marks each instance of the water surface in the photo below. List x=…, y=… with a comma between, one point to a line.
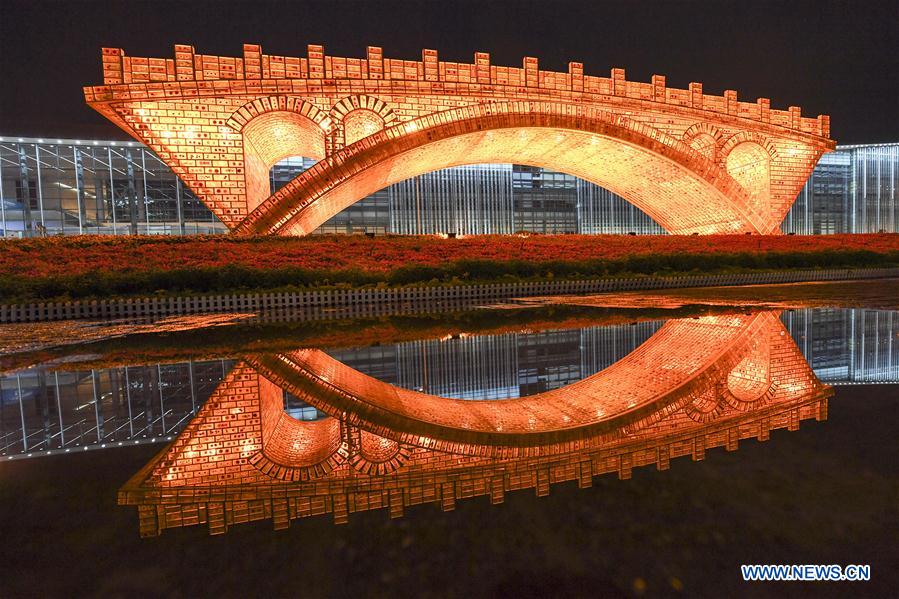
x=564, y=447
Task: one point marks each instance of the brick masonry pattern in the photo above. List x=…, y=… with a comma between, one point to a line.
x=197, y=111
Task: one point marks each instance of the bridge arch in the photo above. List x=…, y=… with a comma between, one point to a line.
x=678, y=186
x=360, y=116
x=274, y=128
x=705, y=138
x=683, y=364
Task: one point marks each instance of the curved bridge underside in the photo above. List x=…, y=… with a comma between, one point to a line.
x=691, y=373
x=688, y=364
x=678, y=186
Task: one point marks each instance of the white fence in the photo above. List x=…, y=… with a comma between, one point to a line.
x=361, y=299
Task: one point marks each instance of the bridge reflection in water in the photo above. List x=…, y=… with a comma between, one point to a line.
x=694, y=385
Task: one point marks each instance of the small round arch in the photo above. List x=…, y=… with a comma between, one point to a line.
x=704, y=138
x=241, y=117
x=273, y=128
x=350, y=103
x=377, y=455
x=750, y=136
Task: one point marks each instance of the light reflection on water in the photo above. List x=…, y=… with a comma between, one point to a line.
x=50, y=409
x=693, y=385
x=521, y=405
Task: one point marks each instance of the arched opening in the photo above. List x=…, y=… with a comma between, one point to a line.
x=674, y=184
x=361, y=123
x=676, y=199
x=481, y=199
x=750, y=164
x=706, y=145
x=271, y=137
x=294, y=433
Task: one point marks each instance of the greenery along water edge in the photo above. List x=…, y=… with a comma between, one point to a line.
x=228, y=278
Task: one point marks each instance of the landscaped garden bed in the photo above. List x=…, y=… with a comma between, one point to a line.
x=84, y=267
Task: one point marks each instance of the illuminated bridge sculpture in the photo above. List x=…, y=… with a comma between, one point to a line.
x=244, y=458
x=694, y=162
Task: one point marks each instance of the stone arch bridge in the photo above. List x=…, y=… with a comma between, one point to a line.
x=696, y=163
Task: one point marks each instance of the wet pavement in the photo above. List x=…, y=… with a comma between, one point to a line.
x=623, y=445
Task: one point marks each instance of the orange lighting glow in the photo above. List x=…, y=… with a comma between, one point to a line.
x=694, y=385
x=696, y=163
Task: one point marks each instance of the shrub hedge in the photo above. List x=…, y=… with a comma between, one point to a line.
x=238, y=278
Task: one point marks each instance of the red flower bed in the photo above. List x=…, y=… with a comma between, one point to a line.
x=75, y=255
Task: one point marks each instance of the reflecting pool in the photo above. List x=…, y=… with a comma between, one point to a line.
x=66, y=406
x=253, y=422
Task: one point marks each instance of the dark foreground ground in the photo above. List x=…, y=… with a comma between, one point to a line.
x=826, y=494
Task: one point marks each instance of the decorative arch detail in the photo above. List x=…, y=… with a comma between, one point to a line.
x=273, y=128
x=749, y=163
x=753, y=404
x=704, y=138
x=375, y=454
x=249, y=111
x=749, y=384
x=376, y=105
x=279, y=471
x=359, y=124
x=702, y=129
x=705, y=405
x=359, y=116
x=750, y=136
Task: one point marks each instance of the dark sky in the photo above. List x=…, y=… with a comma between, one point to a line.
x=833, y=57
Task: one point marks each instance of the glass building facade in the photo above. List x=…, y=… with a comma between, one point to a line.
x=77, y=187
x=851, y=190
x=71, y=187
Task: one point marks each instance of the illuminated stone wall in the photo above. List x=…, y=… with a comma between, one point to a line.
x=222, y=122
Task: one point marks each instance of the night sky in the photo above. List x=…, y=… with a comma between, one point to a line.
x=837, y=58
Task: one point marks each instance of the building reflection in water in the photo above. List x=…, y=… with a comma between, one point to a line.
x=361, y=443
x=498, y=366
x=45, y=411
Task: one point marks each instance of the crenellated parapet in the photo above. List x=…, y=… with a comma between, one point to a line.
x=207, y=74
